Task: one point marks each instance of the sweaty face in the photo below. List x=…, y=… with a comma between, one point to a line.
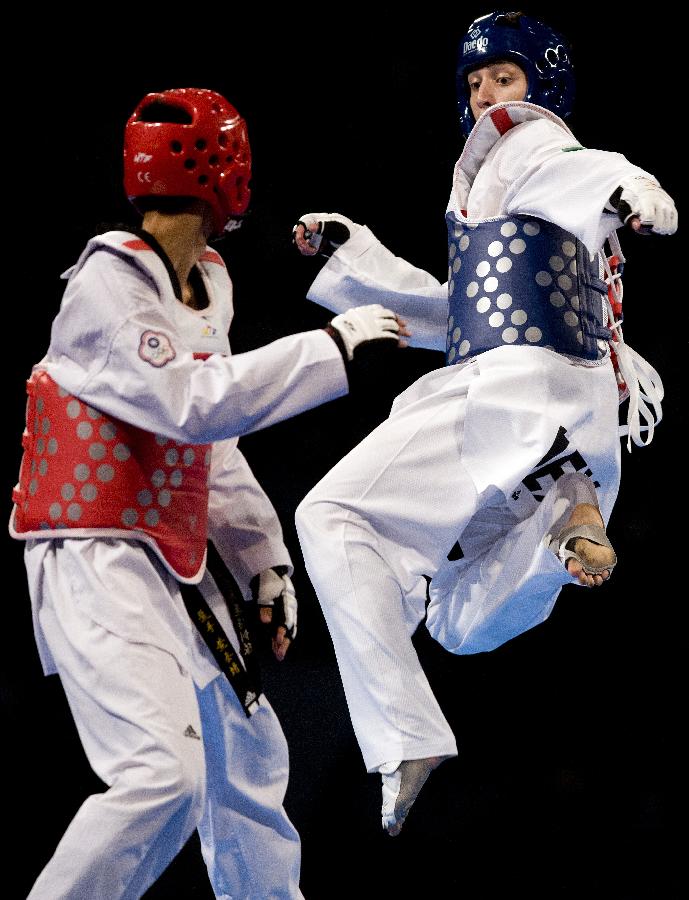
x=495, y=83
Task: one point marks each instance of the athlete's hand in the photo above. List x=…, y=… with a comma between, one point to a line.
x=362, y=324
x=645, y=206
x=277, y=607
x=322, y=233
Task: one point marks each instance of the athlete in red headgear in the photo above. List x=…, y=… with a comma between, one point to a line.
x=203, y=153
x=142, y=520
x=494, y=476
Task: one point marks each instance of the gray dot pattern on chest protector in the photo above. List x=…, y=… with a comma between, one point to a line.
x=513, y=281
x=85, y=471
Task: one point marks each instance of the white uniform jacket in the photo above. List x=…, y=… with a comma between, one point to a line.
x=537, y=168
x=120, y=290
x=507, y=418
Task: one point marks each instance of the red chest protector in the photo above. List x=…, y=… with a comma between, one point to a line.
x=86, y=475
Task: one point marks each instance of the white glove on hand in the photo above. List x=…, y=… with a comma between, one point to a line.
x=330, y=232
x=277, y=603
x=365, y=323
x=644, y=198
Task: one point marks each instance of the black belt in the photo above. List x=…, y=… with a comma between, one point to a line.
x=245, y=679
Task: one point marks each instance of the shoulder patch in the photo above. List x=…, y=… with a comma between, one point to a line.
x=156, y=348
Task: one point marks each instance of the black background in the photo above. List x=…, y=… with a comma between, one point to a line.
x=571, y=775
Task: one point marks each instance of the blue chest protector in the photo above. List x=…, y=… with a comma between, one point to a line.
x=521, y=280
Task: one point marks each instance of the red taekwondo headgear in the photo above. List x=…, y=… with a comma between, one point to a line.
x=189, y=142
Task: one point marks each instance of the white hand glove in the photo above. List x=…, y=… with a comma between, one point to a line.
x=644, y=198
x=365, y=323
x=274, y=594
x=330, y=232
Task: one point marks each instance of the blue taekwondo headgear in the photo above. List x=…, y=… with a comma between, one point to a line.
x=541, y=52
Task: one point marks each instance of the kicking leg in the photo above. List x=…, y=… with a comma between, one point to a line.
x=387, y=513
x=582, y=543
x=401, y=785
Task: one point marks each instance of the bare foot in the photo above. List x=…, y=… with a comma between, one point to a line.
x=593, y=555
x=401, y=788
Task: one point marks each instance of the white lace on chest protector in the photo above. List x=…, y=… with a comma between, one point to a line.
x=638, y=381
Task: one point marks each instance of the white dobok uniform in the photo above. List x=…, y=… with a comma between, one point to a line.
x=472, y=472
x=161, y=726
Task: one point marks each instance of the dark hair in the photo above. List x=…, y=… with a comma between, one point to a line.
x=509, y=18
x=170, y=205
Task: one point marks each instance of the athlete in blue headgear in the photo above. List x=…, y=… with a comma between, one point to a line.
x=495, y=475
x=541, y=54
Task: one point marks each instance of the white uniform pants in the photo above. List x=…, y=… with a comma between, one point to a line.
x=175, y=758
x=446, y=467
